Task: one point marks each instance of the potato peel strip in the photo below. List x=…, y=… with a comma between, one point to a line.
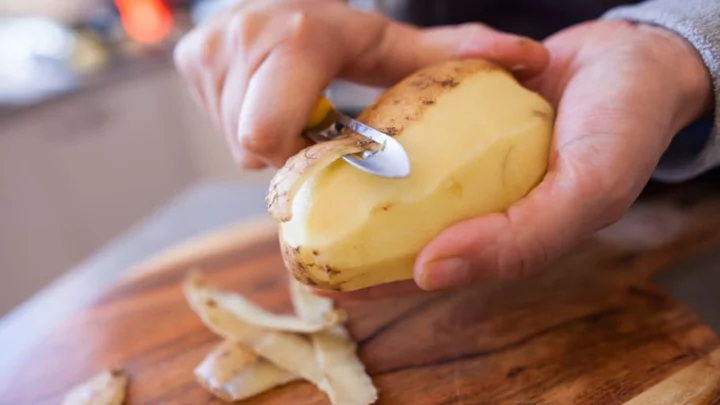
x=105, y=388
x=233, y=372
x=251, y=313
x=297, y=169
x=286, y=350
x=347, y=382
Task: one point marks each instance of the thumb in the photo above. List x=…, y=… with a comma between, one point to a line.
x=405, y=49
x=505, y=245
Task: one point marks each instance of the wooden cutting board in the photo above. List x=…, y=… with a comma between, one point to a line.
x=591, y=330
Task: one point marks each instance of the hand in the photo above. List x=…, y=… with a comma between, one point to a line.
x=259, y=68
x=622, y=91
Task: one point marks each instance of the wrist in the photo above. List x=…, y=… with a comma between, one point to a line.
x=688, y=78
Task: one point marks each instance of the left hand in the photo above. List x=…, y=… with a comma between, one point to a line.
x=621, y=91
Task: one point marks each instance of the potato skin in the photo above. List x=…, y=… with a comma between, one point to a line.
x=405, y=103
x=313, y=158
x=299, y=263
x=294, y=263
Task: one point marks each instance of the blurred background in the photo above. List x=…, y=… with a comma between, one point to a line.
x=97, y=130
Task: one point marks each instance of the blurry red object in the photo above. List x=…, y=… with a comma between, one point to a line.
x=145, y=21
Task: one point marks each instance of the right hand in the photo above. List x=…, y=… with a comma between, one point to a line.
x=259, y=67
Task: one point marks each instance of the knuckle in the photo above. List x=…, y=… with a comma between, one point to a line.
x=183, y=52
x=197, y=49
x=473, y=35
x=473, y=29
x=603, y=190
x=616, y=195
x=260, y=144
x=519, y=260
x=617, y=205
x=243, y=158
x=520, y=254
x=298, y=25
x=243, y=28
x=208, y=49
x=250, y=163
x=536, y=258
x=475, y=38
x=293, y=27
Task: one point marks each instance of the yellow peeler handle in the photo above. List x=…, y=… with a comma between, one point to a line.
x=322, y=108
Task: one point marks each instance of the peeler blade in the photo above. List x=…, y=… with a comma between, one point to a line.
x=390, y=160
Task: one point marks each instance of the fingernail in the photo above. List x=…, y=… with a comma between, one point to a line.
x=444, y=273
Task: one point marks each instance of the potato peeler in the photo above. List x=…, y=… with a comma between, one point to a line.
x=390, y=160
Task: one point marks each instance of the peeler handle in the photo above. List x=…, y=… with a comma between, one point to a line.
x=323, y=107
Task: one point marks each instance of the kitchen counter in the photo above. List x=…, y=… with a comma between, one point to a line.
x=120, y=69
x=656, y=239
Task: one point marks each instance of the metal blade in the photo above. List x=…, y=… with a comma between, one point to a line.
x=390, y=160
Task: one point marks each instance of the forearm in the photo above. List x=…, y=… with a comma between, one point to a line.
x=698, y=22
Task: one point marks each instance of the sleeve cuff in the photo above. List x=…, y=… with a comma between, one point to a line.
x=698, y=21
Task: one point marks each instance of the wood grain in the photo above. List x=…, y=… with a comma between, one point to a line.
x=590, y=330
x=221, y=243
x=697, y=383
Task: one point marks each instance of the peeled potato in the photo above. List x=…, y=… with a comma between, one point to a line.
x=478, y=142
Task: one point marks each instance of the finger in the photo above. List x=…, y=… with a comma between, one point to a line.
x=391, y=290
x=211, y=86
x=247, y=160
x=200, y=61
x=405, y=49
x=213, y=73
x=204, y=69
x=278, y=101
x=231, y=102
x=247, y=44
x=503, y=245
x=517, y=53
x=185, y=61
x=246, y=62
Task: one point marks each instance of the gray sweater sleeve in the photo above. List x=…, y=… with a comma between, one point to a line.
x=698, y=21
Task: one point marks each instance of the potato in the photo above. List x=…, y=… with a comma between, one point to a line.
x=478, y=142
